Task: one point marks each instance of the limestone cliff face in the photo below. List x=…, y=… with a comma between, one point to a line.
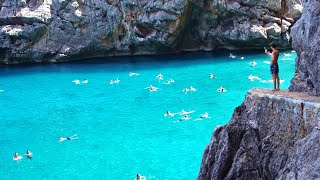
x=306, y=41
x=63, y=30
x=272, y=135
x=275, y=135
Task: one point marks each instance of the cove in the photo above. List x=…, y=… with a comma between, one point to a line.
x=121, y=128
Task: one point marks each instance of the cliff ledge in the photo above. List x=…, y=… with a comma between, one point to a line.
x=272, y=135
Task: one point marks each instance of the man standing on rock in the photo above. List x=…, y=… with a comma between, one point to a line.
x=274, y=67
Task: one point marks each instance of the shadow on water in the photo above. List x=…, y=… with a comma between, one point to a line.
x=127, y=63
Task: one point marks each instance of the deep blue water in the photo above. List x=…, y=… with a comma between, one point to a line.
x=121, y=128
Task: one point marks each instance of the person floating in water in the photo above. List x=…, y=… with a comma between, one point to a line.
x=186, y=117
x=73, y=137
x=169, y=114
x=16, y=157
x=139, y=177
x=212, y=76
x=232, y=56
x=29, y=154
x=85, y=81
x=253, y=63
x=274, y=67
x=221, y=90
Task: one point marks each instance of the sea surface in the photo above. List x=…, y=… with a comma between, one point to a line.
x=121, y=128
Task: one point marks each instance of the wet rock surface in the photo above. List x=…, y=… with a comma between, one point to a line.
x=64, y=30
x=272, y=135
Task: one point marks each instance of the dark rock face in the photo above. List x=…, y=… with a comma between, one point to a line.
x=63, y=30
x=306, y=41
x=271, y=136
x=242, y=23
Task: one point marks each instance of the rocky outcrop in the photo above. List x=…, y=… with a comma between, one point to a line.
x=63, y=30
x=272, y=135
x=275, y=134
x=306, y=41
x=242, y=23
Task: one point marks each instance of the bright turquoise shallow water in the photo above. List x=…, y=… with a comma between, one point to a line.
x=122, y=129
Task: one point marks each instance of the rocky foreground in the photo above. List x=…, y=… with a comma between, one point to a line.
x=272, y=135
x=275, y=134
x=63, y=30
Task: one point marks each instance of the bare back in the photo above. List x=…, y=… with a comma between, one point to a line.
x=275, y=56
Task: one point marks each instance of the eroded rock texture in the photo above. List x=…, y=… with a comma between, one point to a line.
x=63, y=30
x=272, y=135
x=306, y=41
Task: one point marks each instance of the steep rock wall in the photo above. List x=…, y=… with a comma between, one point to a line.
x=63, y=30
x=272, y=135
x=275, y=135
x=306, y=41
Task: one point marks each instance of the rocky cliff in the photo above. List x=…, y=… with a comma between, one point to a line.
x=63, y=30
x=275, y=134
x=272, y=135
x=306, y=42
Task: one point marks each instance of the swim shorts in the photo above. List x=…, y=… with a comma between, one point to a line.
x=274, y=69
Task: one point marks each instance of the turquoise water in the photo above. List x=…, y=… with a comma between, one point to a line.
x=121, y=128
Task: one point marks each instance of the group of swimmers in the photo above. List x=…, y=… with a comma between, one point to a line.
x=233, y=56
x=192, y=89
x=28, y=154
x=153, y=88
x=17, y=157
x=253, y=63
x=186, y=114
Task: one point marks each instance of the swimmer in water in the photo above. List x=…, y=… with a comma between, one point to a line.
x=232, y=56
x=152, y=88
x=159, y=77
x=212, y=76
x=139, y=177
x=133, y=74
x=116, y=81
x=252, y=78
x=193, y=89
x=186, y=117
x=169, y=114
x=185, y=90
x=242, y=58
x=169, y=81
x=76, y=81
x=253, y=63
x=221, y=89
x=73, y=137
x=85, y=81
x=29, y=154
x=203, y=116
x=17, y=157
x=183, y=112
